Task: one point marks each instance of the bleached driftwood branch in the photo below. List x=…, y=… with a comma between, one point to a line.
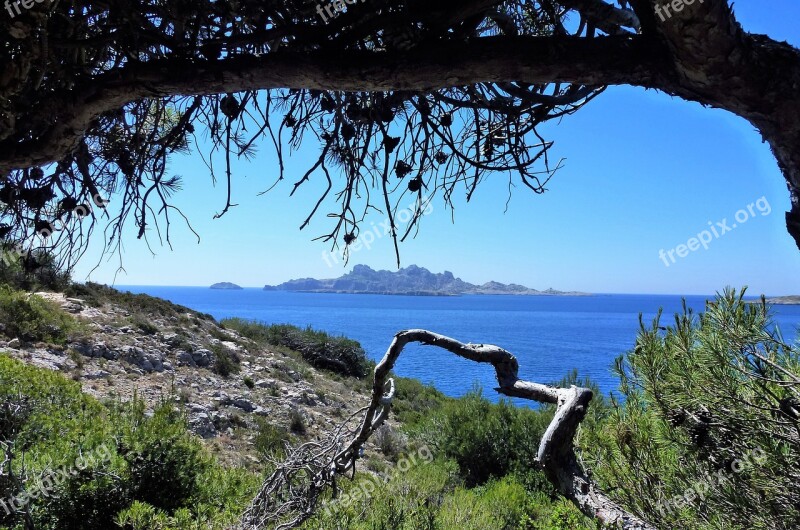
x=289, y=496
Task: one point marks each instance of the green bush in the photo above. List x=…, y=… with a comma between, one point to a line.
x=145, y=306
x=488, y=440
x=226, y=361
x=296, y=422
x=709, y=418
x=218, y=334
x=407, y=501
x=338, y=354
x=89, y=501
x=414, y=400
x=429, y=496
x=164, y=460
x=64, y=427
x=141, y=516
x=149, y=462
x=217, y=504
x=270, y=439
x=32, y=318
x=506, y=504
x=144, y=325
x=251, y=329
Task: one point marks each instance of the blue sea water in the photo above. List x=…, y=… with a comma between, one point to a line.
x=550, y=335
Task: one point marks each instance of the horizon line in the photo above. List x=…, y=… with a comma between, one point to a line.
x=261, y=288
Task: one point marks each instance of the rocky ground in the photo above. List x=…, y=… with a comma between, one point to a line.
x=177, y=357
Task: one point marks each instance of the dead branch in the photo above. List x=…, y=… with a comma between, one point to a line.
x=289, y=496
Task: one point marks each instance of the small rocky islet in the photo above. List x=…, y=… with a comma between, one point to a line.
x=226, y=286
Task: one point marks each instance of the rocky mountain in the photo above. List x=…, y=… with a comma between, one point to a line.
x=412, y=280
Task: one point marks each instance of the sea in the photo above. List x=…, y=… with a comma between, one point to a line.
x=550, y=335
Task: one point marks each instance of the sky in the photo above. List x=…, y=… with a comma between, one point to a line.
x=656, y=196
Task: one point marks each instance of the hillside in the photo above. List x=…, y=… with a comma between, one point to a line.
x=192, y=414
x=127, y=412
x=411, y=280
x=139, y=345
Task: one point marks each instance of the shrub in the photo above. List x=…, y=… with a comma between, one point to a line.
x=563, y=515
x=144, y=305
x=89, y=500
x=152, y=460
x=376, y=464
x=253, y=330
x=32, y=318
x=414, y=400
x=218, y=503
x=488, y=440
x=164, y=460
x=710, y=390
x=408, y=500
x=338, y=354
x=500, y=504
x=63, y=424
x=226, y=362
x=218, y=334
x=144, y=325
x=388, y=441
x=270, y=439
x=139, y=516
x=296, y=422
x=249, y=383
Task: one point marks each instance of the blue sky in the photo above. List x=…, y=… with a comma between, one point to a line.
x=643, y=173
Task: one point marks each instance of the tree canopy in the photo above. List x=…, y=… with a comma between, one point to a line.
x=403, y=97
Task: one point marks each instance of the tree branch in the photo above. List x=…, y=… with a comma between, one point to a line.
x=556, y=454
x=607, y=17
x=601, y=61
x=717, y=63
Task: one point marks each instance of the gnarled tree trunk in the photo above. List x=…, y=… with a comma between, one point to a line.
x=289, y=496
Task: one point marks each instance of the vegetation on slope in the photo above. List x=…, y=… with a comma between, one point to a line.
x=703, y=435
x=708, y=434
x=338, y=354
x=76, y=463
x=33, y=319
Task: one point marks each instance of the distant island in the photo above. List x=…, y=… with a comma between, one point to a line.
x=225, y=285
x=412, y=280
x=784, y=300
